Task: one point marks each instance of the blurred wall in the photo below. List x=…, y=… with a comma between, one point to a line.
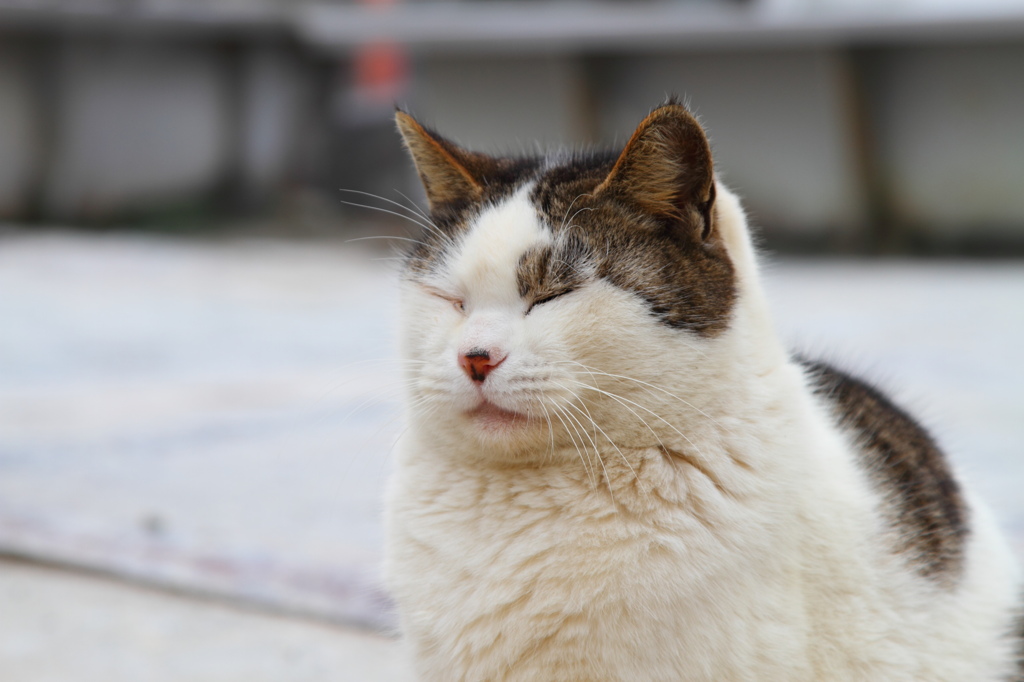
x=949, y=123
x=779, y=122
x=878, y=149
x=96, y=126
x=135, y=123
x=894, y=144
x=502, y=104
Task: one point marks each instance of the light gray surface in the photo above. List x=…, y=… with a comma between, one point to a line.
x=219, y=416
x=198, y=414
x=61, y=627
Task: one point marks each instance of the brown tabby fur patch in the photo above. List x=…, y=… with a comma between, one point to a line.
x=642, y=219
x=923, y=500
x=687, y=282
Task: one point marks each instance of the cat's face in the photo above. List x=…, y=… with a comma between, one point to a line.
x=548, y=295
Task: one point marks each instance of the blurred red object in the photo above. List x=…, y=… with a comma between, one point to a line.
x=381, y=69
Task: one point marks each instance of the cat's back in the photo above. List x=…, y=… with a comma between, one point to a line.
x=953, y=565
x=923, y=500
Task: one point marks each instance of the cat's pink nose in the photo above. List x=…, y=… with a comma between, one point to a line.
x=478, y=363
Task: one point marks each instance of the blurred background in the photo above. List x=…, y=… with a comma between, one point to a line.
x=198, y=393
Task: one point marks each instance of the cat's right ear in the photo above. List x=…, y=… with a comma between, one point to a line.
x=666, y=169
x=443, y=167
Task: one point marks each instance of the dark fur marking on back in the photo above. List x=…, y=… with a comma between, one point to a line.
x=923, y=499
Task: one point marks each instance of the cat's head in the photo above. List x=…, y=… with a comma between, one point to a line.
x=552, y=296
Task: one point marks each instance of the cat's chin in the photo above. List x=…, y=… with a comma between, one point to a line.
x=504, y=431
x=497, y=421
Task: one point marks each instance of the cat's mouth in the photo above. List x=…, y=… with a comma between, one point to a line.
x=490, y=416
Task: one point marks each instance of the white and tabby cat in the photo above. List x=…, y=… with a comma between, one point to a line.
x=614, y=471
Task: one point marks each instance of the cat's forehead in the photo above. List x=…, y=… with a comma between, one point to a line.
x=512, y=210
x=488, y=256
x=509, y=227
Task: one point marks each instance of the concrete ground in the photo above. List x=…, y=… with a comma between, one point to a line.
x=217, y=417
x=58, y=626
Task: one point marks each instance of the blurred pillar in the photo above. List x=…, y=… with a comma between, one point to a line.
x=23, y=127
x=370, y=84
x=380, y=73
x=267, y=90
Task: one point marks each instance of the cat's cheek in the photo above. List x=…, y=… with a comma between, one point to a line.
x=598, y=318
x=439, y=319
x=546, y=340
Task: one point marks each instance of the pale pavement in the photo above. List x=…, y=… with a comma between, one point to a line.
x=56, y=626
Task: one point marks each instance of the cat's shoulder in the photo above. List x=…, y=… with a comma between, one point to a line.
x=922, y=500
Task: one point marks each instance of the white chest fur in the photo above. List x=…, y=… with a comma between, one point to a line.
x=544, y=576
x=769, y=570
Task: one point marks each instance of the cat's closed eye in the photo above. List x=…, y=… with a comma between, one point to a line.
x=549, y=297
x=458, y=303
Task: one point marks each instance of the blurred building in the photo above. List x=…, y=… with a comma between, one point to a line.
x=846, y=125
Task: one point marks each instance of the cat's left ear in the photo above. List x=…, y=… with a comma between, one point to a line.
x=447, y=171
x=666, y=170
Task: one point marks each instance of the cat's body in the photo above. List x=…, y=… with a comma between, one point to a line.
x=614, y=470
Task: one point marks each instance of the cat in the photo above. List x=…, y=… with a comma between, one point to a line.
x=613, y=469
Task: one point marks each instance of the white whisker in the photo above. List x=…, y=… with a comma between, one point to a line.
x=414, y=206
x=558, y=413
x=597, y=452
x=655, y=414
x=592, y=371
x=625, y=460
x=401, y=239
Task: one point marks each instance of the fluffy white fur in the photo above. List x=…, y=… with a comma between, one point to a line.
x=573, y=548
